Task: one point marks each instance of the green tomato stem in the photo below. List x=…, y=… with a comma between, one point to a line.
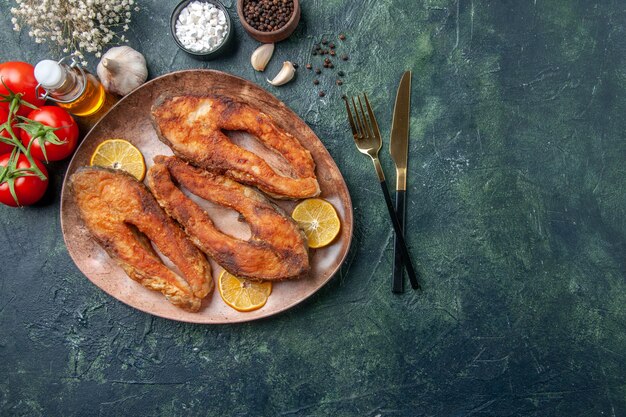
x=15, y=103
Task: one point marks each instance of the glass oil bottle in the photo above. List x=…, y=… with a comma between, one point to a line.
x=70, y=86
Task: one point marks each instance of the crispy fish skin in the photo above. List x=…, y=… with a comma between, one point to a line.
x=122, y=215
x=193, y=127
x=277, y=249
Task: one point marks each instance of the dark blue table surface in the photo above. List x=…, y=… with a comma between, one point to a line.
x=516, y=220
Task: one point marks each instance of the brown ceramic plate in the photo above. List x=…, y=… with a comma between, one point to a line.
x=130, y=119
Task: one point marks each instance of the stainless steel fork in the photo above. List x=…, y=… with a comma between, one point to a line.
x=367, y=139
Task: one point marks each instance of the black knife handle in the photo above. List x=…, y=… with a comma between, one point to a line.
x=398, y=270
x=401, y=244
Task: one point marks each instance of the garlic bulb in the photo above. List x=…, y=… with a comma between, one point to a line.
x=285, y=75
x=261, y=56
x=122, y=69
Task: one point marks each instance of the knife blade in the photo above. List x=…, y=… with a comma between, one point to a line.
x=399, y=150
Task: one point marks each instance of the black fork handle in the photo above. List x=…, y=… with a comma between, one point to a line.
x=398, y=271
x=400, y=237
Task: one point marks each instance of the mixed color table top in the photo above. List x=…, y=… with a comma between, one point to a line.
x=515, y=219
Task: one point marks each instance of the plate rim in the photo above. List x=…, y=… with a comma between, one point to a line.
x=349, y=208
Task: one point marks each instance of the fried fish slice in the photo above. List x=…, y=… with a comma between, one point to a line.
x=123, y=217
x=277, y=249
x=193, y=127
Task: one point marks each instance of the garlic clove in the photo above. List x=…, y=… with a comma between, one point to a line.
x=285, y=75
x=261, y=56
x=122, y=69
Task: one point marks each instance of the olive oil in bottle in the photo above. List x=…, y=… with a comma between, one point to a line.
x=71, y=87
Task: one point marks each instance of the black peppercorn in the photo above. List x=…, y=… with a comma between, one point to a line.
x=324, y=41
x=295, y=65
x=341, y=73
x=318, y=71
x=268, y=15
x=344, y=57
x=316, y=82
x=331, y=46
x=322, y=94
x=339, y=82
x=309, y=66
x=342, y=37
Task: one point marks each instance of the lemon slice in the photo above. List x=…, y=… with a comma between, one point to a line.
x=318, y=218
x=242, y=294
x=120, y=154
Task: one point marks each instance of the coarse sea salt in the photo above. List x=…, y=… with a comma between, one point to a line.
x=201, y=27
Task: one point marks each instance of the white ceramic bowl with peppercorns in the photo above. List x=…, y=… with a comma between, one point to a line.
x=269, y=21
x=201, y=28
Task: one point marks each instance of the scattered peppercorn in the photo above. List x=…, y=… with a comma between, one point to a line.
x=343, y=96
x=295, y=65
x=324, y=47
x=267, y=15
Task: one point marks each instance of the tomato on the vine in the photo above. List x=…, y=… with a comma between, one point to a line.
x=52, y=121
x=19, y=77
x=29, y=188
x=5, y=147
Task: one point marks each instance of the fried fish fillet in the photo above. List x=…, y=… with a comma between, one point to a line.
x=124, y=217
x=194, y=128
x=277, y=248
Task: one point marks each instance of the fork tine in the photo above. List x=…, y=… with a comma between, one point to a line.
x=375, y=128
x=351, y=119
x=368, y=124
x=362, y=132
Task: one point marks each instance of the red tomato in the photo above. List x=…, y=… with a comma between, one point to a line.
x=19, y=77
x=28, y=188
x=5, y=147
x=52, y=117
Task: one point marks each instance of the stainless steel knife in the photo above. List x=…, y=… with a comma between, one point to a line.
x=399, y=149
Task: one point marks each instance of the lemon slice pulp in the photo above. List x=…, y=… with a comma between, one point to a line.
x=319, y=220
x=120, y=154
x=243, y=294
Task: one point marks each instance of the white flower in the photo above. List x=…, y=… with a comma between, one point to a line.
x=80, y=25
